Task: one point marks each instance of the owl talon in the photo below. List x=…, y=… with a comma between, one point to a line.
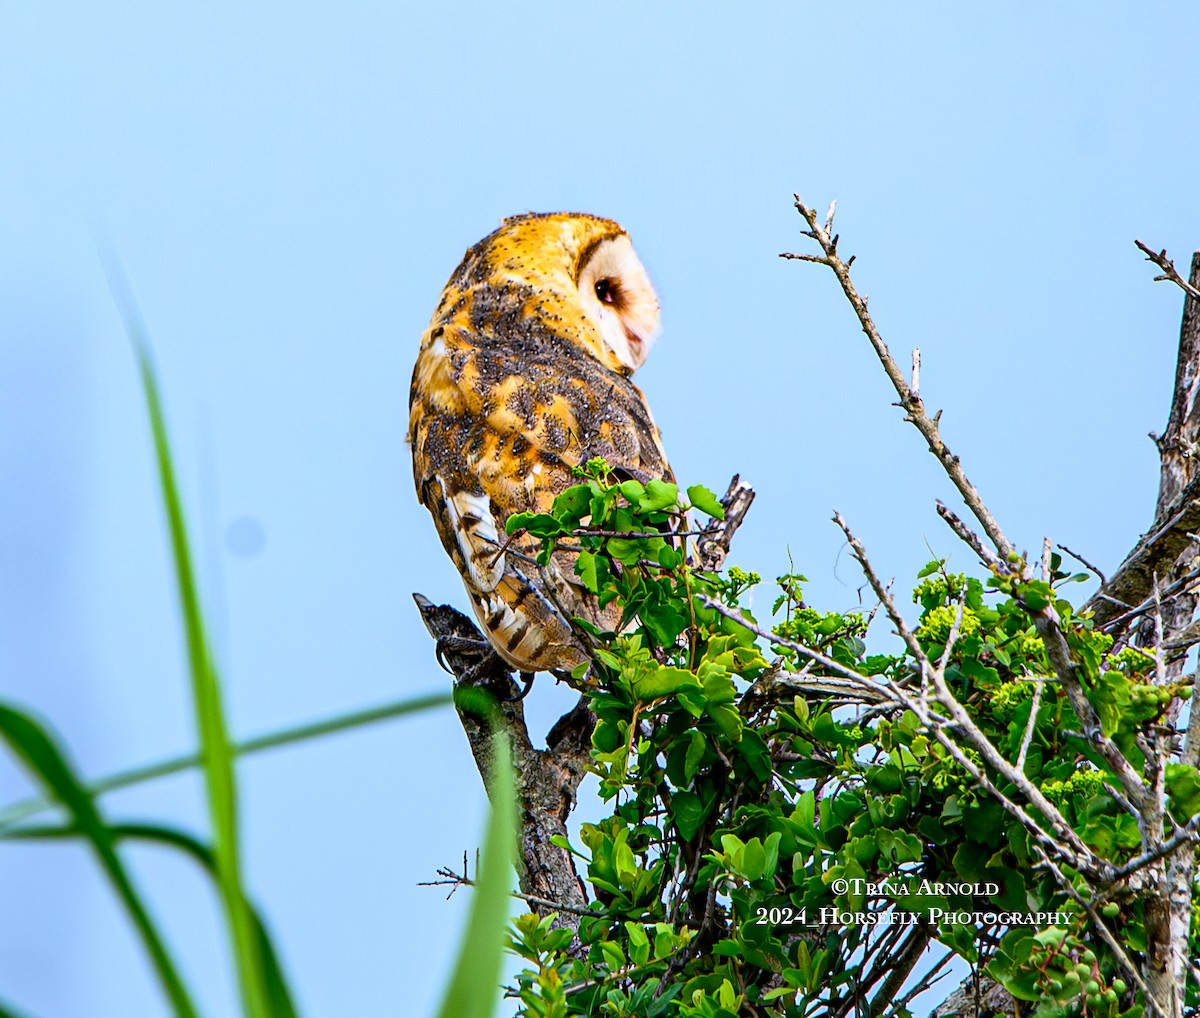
x=460, y=645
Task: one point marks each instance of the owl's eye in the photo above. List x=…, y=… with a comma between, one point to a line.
x=606, y=291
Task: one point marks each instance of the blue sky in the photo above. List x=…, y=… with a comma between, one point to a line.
x=288, y=188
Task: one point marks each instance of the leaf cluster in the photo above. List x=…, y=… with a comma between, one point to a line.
x=772, y=850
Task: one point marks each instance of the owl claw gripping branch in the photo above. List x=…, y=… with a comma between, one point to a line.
x=523, y=374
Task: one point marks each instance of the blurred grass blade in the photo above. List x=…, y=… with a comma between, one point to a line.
x=8, y=1012
x=11, y=815
x=214, y=740
x=475, y=982
x=278, y=995
x=33, y=745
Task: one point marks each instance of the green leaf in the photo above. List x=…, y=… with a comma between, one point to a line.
x=614, y=957
x=278, y=994
x=1036, y=595
x=1183, y=784
x=537, y=524
x=585, y=568
x=659, y=495
x=689, y=812
x=215, y=744
x=639, y=943
x=697, y=744
x=717, y=699
x=1111, y=698
x=627, y=551
x=474, y=988
x=666, y=681
x=669, y=558
x=704, y=500
x=754, y=860
x=632, y=490
x=571, y=506
x=36, y=748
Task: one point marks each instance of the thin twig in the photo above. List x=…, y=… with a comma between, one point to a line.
x=972, y=733
x=1169, y=272
x=970, y=539
x=1029, y=726
x=1191, y=832
x=910, y=401
x=1079, y=558
x=456, y=881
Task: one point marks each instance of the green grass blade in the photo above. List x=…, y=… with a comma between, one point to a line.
x=278, y=995
x=215, y=746
x=19, y=811
x=37, y=749
x=474, y=984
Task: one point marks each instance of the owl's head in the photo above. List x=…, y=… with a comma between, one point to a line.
x=591, y=287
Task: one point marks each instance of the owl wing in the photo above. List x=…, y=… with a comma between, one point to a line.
x=496, y=428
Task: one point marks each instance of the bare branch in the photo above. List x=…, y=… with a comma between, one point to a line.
x=1070, y=844
x=713, y=544
x=1084, y=562
x=1177, y=510
x=1189, y=833
x=1170, y=273
x=1170, y=536
x=1027, y=738
x=546, y=779
x=970, y=539
x=910, y=401
x=1180, y=586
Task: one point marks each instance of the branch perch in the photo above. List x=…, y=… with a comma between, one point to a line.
x=547, y=779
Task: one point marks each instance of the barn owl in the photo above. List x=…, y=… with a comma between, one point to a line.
x=523, y=373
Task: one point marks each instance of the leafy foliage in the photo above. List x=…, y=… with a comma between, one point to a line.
x=773, y=849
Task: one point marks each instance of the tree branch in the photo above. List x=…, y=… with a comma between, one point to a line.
x=910, y=399
x=713, y=544
x=546, y=779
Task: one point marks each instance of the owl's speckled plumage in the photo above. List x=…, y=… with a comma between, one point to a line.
x=522, y=374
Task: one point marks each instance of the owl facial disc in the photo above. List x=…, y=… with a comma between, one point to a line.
x=616, y=295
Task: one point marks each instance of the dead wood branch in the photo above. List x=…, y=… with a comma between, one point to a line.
x=910, y=399
x=1177, y=510
x=712, y=547
x=1169, y=273
x=546, y=778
